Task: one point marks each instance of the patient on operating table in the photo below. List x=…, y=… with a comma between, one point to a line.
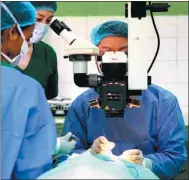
x=99, y=163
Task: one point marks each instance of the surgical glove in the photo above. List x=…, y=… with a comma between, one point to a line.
x=136, y=156
x=64, y=146
x=102, y=146
x=147, y=163
x=133, y=155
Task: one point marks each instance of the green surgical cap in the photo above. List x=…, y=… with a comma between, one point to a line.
x=24, y=13
x=109, y=28
x=45, y=5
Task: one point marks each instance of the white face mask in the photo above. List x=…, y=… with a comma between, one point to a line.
x=15, y=61
x=39, y=32
x=23, y=64
x=24, y=47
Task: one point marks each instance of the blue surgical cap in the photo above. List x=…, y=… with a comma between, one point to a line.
x=109, y=28
x=24, y=13
x=45, y=5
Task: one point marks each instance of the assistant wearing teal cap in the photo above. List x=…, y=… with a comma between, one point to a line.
x=45, y=5
x=24, y=13
x=28, y=132
x=109, y=28
x=43, y=60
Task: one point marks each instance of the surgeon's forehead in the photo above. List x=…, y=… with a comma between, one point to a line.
x=114, y=42
x=45, y=13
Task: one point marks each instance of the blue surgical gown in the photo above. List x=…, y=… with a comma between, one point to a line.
x=156, y=128
x=28, y=132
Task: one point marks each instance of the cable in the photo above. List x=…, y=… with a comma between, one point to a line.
x=158, y=38
x=56, y=159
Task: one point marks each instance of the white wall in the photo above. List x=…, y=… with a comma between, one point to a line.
x=170, y=70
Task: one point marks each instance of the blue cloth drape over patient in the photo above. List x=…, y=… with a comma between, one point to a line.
x=88, y=166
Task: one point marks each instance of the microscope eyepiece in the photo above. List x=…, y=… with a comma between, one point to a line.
x=58, y=26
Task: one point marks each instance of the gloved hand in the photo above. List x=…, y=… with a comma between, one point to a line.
x=133, y=155
x=101, y=146
x=64, y=146
x=136, y=156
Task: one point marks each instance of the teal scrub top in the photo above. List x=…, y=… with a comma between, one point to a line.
x=43, y=68
x=4, y=63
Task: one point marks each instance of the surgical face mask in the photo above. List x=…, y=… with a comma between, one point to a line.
x=23, y=64
x=24, y=47
x=15, y=61
x=39, y=32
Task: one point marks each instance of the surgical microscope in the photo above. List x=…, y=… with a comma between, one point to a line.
x=123, y=76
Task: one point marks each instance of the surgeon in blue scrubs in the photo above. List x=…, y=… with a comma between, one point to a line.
x=152, y=136
x=28, y=132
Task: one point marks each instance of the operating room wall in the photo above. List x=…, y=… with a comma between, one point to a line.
x=170, y=70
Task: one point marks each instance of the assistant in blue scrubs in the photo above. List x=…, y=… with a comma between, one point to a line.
x=28, y=132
